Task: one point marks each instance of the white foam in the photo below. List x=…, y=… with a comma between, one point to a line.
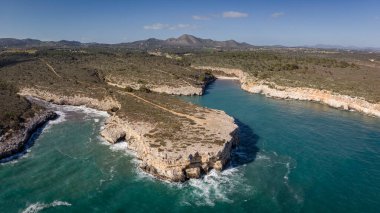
x=83, y=109
x=262, y=157
x=37, y=207
x=61, y=118
x=14, y=158
x=286, y=176
x=62, y=110
x=215, y=187
x=120, y=146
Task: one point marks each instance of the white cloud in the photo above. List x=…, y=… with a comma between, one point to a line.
x=234, y=14
x=196, y=17
x=160, y=26
x=156, y=26
x=277, y=14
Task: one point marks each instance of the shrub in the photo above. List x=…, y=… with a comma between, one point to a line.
x=144, y=89
x=129, y=89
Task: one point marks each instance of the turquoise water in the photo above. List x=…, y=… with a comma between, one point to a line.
x=294, y=157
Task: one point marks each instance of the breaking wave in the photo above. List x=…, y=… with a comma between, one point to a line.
x=37, y=207
x=216, y=187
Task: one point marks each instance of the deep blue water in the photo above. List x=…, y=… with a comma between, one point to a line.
x=294, y=157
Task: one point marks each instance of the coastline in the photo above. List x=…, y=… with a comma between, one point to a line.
x=270, y=89
x=17, y=142
x=192, y=162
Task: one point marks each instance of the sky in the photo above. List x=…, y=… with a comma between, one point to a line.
x=265, y=22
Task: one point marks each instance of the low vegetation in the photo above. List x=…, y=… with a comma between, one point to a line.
x=14, y=108
x=88, y=73
x=94, y=72
x=347, y=73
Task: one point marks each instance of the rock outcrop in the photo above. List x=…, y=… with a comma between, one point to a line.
x=270, y=89
x=14, y=142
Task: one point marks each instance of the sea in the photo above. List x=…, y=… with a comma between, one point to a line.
x=293, y=156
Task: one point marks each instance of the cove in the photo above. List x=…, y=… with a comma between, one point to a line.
x=294, y=156
x=311, y=158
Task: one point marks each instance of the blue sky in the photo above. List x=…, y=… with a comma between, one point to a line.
x=265, y=22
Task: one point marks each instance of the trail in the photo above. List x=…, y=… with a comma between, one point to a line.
x=163, y=108
x=51, y=68
x=195, y=119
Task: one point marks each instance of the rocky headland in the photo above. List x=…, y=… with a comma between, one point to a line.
x=15, y=141
x=203, y=142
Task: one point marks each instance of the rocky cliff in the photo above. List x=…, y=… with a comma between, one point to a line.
x=75, y=100
x=14, y=142
x=191, y=162
x=184, y=89
x=270, y=89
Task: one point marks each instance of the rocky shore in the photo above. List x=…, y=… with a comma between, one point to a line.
x=204, y=144
x=13, y=142
x=270, y=89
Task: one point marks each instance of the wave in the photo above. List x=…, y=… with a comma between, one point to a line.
x=83, y=109
x=215, y=187
x=61, y=118
x=262, y=157
x=62, y=111
x=37, y=207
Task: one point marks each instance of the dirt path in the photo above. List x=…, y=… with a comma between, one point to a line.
x=197, y=120
x=163, y=108
x=51, y=68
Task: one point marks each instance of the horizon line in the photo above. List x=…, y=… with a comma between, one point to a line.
x=327, y=46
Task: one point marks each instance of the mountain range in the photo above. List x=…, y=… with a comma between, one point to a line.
x=184, y=41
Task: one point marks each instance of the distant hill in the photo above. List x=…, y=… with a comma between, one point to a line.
x=184, y=41
x=340, y=47
x=25, y=43
x=188, y=41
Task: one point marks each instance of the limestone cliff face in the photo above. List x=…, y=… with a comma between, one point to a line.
x=197, y=155
x=187, y=89
x=270, y=89
x=75, y=100
x=301, y=93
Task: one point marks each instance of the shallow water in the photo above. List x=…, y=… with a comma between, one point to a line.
x=294, y=157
